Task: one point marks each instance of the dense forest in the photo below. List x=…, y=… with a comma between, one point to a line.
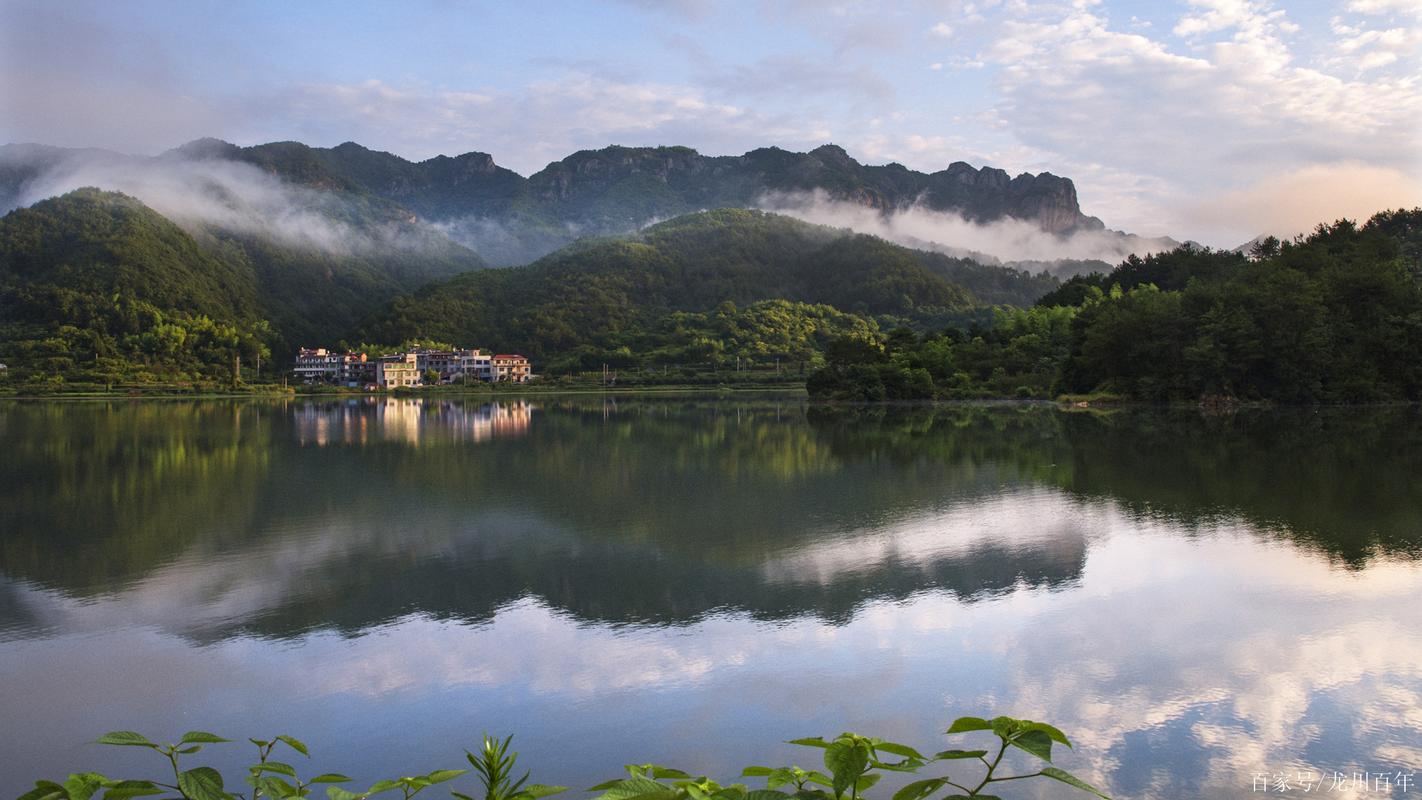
x=97, y=289
x=1334, y=317
x=613, y=295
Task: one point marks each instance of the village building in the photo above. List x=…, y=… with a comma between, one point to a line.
x=317, y=366
x=407, y=369
x=512, y=368
x=477, y=365
x=397, y=371
x=456, y=365
x=320, y=365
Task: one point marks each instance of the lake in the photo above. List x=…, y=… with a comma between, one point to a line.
x=1197, y=600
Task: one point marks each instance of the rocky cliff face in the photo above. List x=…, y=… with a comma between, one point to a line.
x=687, y=181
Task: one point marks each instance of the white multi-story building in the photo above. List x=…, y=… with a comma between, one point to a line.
x=317, y=366
x=397, y=371
x=477, y=364
x=456, y=365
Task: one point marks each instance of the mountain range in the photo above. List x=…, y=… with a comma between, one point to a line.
x=509, y=219
x=108, y=261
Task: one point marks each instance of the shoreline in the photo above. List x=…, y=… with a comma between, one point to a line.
x=1066, y=403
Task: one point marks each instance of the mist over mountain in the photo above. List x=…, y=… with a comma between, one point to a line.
x=607, y=293
x=289, y=245
x=351, y=195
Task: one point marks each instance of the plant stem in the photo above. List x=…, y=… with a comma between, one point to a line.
x=173, y=758
x=1015, y=777
x=988, y=777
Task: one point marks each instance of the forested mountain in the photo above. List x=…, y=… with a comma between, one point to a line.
x=510, y=219
x=323, y=253
x=1334, y=317
x=96, y=286
x=91, y=278
x=251, y=252
x=315, y=294
x=84, y=273
x=608, y=293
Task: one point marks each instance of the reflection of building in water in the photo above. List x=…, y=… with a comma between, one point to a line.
x=490, y=421
x=412, y=421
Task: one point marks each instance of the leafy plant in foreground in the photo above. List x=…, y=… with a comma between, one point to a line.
x=495, y=767
x=268, y=778
x=855, y=763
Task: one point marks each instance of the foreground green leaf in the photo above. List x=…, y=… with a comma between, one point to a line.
x=123, y=790
x=1072, y=780
x=125, y=739
x=949, y=755
x=277, y=767
x=295, y=744
x=966, y=724
x=202, y=783
x=1036, y=742
x=846, y=761
x=1053, y=733
x=83, y=785
x=45, y=790
x=201, y=737
x=920, y=789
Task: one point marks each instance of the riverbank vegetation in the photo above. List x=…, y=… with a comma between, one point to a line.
x=853, y=765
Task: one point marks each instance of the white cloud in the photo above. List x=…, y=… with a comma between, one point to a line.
x=1237, y=107
x=942, y=29
x=1219, y=15
x=230, y=195
x=1386, y=7
x=1371, y=49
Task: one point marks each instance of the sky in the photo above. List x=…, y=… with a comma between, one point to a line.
x=1212, y=120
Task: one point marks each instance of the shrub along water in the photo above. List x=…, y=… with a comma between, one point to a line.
x=853, y=765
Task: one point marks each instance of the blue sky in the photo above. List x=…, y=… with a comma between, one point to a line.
x=1206, y=119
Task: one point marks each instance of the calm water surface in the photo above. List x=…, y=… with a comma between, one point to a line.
x=1195, y=600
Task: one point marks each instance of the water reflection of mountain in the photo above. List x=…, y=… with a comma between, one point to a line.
x=1338, y=480
x=214, y=518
